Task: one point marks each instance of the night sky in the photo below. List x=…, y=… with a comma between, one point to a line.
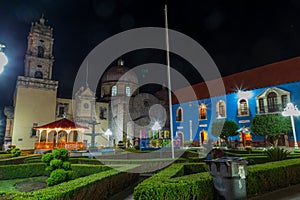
x=238, y=35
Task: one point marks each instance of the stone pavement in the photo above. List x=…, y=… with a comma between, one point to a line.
x=289, y=193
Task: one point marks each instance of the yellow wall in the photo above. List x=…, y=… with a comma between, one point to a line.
x=31, y=106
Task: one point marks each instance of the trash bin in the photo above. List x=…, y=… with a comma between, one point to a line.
x=229, y=174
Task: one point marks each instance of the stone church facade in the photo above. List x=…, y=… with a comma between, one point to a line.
x=35, y=100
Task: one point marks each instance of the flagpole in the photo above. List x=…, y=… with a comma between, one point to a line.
x=169, y=80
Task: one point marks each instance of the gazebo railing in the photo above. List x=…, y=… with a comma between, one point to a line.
x=51, y=145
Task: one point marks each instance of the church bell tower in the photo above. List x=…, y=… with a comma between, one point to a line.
x=39, y=58
x=35, y=93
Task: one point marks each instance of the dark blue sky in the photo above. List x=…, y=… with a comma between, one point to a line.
x=238, y=35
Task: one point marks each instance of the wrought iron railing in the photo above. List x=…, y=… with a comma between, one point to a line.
x=51, y=145
x=274, y=108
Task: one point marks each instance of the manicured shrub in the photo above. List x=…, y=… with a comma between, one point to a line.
x=58, y=176
x=16, y=152
x=61, y=154
x=58, y=161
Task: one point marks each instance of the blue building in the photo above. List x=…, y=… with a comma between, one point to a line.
x=263, y=90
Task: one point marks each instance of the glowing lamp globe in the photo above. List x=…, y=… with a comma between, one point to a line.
x=3, y=61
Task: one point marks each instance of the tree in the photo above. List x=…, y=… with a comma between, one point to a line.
x=271, y=126
x=224, y=129
x=58, y=165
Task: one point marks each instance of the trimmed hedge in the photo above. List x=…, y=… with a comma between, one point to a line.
x=84, y=161
x=17, y=160
x=173, y=183
x=103, y=184
x=80, y=170
x=273, y=175
x=38, y=169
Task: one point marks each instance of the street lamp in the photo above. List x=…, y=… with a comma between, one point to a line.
x=108, y=133
x=3, y=58
x=292, y=110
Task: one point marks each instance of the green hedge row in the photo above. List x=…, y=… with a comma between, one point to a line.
x=174, y=183
x=96, y=186
x=38, y=169
x=273, y=175
x=22, y=171
x=80, y=170
x=17, y=160
x=85, y=161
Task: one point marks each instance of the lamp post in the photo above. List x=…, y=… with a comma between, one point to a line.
x=108, y=133
x=3, y=58
x=292, y=110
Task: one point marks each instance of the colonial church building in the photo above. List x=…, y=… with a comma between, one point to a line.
x=35, y=103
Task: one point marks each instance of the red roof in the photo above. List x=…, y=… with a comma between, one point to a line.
x=268, y=75
x=63, y=123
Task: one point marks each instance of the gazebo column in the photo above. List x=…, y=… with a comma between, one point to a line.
x=40, y=135
x=68, y=134
x=47, y=133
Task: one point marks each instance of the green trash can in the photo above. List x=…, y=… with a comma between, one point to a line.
x=229, y=176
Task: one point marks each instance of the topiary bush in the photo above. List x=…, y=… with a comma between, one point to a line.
x=16, y=152
x=58, y=176
x=58, y=165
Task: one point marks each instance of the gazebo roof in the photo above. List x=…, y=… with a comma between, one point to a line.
x=62, y=124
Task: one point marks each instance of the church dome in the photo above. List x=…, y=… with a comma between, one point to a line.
x=116, y=73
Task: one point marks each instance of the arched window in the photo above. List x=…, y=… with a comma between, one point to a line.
x=221, y=109
x=114, y=91
x=243, y=107
x=40, y=52
x=128, y=91
x=202, y=111
x=179, y=114
x=38, y=74
x=272, y=102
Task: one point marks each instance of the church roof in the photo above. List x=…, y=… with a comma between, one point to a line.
x=268, y=75
x=115, y=74
x=62, y=124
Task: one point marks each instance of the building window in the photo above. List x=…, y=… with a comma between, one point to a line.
x=114, y=91
x=261, y=105
x=128, y=92
x=202, y=111
x=38, y=74
x=179, y=114
x=243, y=107
x=62, y=109
x=284, y=101
x=33, y=131
x=39, y=66
x=40, y=52
x=103, y=113
x=221, y=109
x=272, y=102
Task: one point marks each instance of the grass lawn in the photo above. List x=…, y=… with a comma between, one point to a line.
x=8, y=185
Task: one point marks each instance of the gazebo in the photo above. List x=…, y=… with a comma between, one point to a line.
x=62, y=133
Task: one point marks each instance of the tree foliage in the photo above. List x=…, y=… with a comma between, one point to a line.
x=58, y=165
x=271, y=126
x=224, y=129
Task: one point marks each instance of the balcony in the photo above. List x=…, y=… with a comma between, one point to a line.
x=275, y=108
